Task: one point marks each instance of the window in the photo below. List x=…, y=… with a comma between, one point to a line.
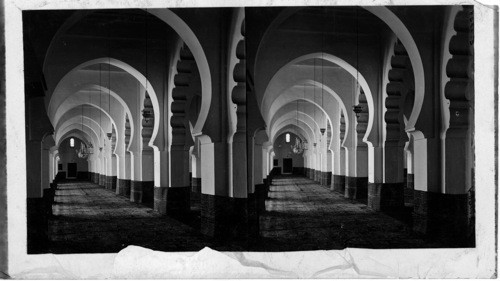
x=71, y=142
x=287, y=138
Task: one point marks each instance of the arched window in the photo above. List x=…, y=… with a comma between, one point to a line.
x=287, y=138
x=71, y=142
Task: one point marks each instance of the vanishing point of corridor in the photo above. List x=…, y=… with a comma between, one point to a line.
x=300, y=215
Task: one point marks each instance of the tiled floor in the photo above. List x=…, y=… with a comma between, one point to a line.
x=91, y=219
x=300, y=215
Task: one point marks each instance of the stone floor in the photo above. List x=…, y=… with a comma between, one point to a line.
x=303, y=215
x=300, y=215
x=88, y=218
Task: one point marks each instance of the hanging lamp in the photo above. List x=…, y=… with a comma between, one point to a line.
x=90, y=148
x=110, y=134
x=147, y=113
x=314, y=93
x=100, y=107
x=322, y=130
x=304, y=143
x=82, y=152
x=297, y=148
x=357, y=108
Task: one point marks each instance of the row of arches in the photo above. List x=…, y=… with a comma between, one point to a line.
x=175, y=115
x=383, y=133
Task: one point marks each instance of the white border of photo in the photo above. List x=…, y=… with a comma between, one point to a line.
x=139, y=263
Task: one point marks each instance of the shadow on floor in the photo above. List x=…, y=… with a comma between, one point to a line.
x=300, y=215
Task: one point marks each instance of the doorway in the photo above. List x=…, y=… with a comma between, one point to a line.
x=287, y=165
x=72, y=170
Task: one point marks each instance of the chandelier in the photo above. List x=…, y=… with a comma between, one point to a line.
x=84, y=152
x=298, y=147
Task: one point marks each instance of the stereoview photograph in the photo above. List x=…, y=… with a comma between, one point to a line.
x=263, y=129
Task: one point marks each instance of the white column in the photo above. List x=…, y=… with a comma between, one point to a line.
x=147, y=168
x=258, y=167
x=128, y=166
x=137, y=163
x=51, y=167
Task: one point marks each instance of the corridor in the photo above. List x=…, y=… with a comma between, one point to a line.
x=140, y=110
x=90, y=219
x=303, y=215
x=300, y=215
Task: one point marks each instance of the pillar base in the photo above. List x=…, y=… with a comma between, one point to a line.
x=298, y=171
x=229, y=218
x=82, y=176
x=111, y=182
x=261, y=194
x=356, y=188
x=311, y=174
x=123, y=187
x=255, y=202
x=136, y=191
x=148, y=193
x=270, y=180
x=386, y=197
x=447, y=218
x=102, y=181
x=95, y=178
x=178, y=200
x=195, y=190
x=409, y=190
x=325, y=178
x=37, y=220
x=275, y=171
x=338, y=183
x=160, y=199
x=142, y=192
x=48, y=197
x=405, y=177
x=60, y=176
x=114, y=180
